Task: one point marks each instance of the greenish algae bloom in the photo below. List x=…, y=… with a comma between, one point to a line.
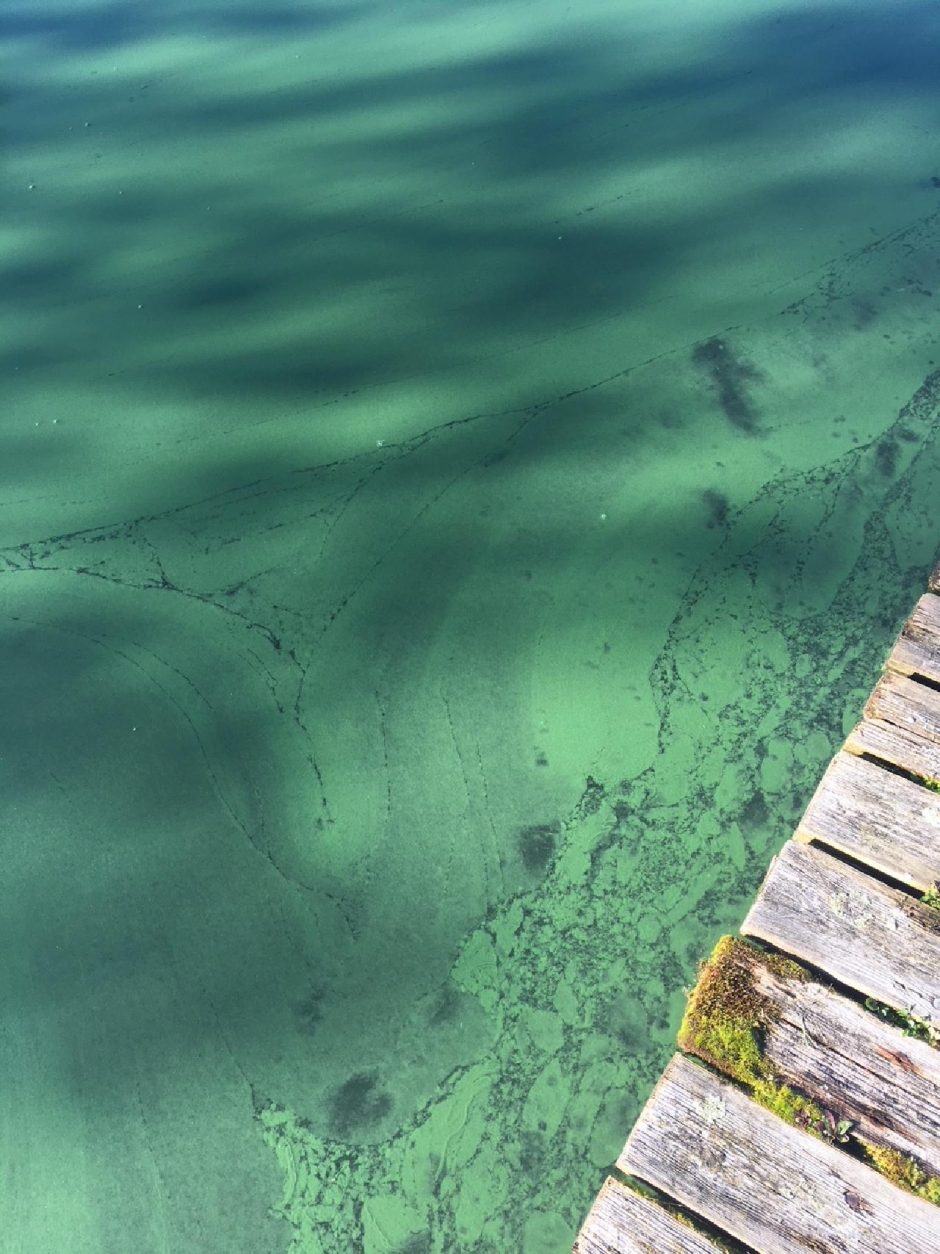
x=463, y=468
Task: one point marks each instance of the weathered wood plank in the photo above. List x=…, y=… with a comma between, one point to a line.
x=896, y=745
x=879, y=818
x=901, y=726
x=705, y=1143
x=853, y=1064
x=621, y=1221
x=917, y=651
x=908, y=704
x=873, y=938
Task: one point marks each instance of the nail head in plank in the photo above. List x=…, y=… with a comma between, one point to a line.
x=872, y=938
x=848, y=1060
x=917, y=651
x=705, y=1143
x=622, y=1221
x=879, y=818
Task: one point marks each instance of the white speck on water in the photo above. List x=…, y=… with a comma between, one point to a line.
x=54, y=421
x=603, y=517
x=379, y=443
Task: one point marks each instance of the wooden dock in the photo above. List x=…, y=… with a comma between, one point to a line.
x=802, y=1111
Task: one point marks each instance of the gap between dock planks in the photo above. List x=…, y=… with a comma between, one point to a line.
x=868, y=813
x=763, y=1182
x=872, y=938
x=917, y=651
x=854, y=922
x=623, y=1221
x=909, y=702
x=851, y=1064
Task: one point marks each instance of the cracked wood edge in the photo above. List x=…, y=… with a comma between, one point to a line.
x=879, y=818
x=848, y=1060
x=703, y=1142
x=622, y=1221
x=872, y=938
x=917, y=650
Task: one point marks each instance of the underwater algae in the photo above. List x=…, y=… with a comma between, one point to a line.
x=572, y=1060
x=459, y=483
x=559, y=1007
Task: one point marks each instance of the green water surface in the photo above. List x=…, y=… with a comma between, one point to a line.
x=461, y=468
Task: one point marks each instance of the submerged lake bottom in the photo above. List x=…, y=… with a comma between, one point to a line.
x=462, y=475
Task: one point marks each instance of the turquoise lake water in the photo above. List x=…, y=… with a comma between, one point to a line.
x=462, y=468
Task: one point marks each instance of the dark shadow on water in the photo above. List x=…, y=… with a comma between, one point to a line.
x=503, y=272
x=95, y=27
x=484, y=266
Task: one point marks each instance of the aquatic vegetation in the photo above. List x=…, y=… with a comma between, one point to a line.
x=909, y=1024
x=491, y=634
x=724, y=1024
x=731, y=378
x=904, y=1171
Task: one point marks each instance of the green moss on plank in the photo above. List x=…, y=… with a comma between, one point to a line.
x=909, y=1024
x=904, y=1171
x=724, y=1025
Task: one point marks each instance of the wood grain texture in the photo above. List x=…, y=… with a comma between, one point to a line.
x=777, y=1188
x=879, y=818
x=896, y=745
x=917, y=651
x=933, y=583
x=873, y=938
x=623, y=1222
x=908, y=704
x=852, y=1063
